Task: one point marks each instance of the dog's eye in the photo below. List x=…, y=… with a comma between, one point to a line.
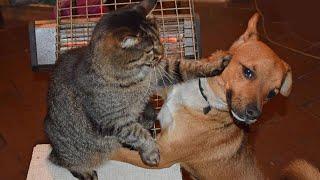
x=272, y=93
x=248, y=73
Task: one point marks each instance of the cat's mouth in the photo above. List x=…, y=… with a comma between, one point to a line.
x=155, y=59
x=154, y=62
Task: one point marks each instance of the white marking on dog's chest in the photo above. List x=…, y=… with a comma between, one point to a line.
x=215, y=101
x=187, y=94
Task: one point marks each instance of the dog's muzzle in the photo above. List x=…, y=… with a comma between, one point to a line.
x=244, y=120
x=248, y=116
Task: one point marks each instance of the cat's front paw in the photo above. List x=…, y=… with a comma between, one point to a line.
x=221, y=59
x=225, y=60
x=151, y=157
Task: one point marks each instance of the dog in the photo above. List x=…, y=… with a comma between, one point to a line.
x=201, y=119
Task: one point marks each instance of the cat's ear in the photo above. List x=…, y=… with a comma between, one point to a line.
x=129, y=41
x=146, y=6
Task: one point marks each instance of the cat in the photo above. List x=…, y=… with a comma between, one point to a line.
x=98, y=91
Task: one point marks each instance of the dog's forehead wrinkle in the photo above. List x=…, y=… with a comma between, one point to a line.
x=251, y=65
x=256, y=50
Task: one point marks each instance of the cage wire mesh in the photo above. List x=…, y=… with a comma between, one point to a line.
x=76, y=20
x=175, y=18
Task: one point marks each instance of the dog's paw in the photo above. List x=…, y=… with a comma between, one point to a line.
x=151, y=157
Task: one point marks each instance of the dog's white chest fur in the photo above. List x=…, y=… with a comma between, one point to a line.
x=188, y=94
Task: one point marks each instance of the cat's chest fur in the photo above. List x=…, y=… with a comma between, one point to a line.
x=91, y=84
x=133, y=98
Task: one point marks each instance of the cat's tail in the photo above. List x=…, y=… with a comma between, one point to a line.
x=300, y=170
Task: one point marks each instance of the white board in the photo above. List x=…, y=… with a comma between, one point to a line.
x=42, y=169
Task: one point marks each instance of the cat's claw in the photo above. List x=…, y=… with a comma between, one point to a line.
x=226, y=60
x=221, y=59
x=151, y=158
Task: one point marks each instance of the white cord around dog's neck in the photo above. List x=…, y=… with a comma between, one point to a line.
x=277, y=43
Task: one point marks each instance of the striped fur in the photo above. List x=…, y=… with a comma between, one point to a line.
x=98, y=92
x=174, y=70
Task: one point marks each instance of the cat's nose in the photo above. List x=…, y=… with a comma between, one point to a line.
x=159, y=49
x=148, y=48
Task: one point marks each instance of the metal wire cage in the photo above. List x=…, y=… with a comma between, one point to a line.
x=178, y=25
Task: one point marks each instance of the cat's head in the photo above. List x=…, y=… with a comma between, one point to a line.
x=127, y=39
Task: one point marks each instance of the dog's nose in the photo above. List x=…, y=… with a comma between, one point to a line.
x=252, y=111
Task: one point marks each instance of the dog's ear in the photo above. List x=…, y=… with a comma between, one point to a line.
x=287, y=82
x=250, y=34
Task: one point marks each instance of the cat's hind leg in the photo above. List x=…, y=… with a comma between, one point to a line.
x=81, y=175
x=83, y=157
x=79, y=172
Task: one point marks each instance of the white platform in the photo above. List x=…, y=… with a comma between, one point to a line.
x=42, y=169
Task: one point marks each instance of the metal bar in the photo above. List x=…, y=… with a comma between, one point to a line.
x=192, y=28
x=177, y=15
x=171, y=15
x=162, y=21
x=57, y=29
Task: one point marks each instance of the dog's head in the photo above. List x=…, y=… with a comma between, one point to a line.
x=254, y=76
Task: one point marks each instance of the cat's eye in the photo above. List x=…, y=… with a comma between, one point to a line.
x=248, y=73
x=129, y=41
x=272, y=93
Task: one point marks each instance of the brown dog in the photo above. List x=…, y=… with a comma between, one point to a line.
x=198, y=118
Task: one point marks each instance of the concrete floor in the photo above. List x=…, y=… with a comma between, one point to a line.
x=288, y=129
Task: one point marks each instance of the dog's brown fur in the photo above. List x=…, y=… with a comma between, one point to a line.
x=301, y=170
x=212, y=146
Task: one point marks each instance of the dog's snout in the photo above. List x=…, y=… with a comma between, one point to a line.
x=252, y=111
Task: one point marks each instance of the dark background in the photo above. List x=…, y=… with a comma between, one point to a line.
x=288, y=129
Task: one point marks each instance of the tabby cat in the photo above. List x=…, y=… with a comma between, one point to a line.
x=98, y=91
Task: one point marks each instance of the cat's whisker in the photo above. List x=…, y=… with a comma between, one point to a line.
x=155, y=75
x=173, y=72
x=167, y=75
x=148, y=88
x=161, y=75
x=150, y=80
x=149, y=84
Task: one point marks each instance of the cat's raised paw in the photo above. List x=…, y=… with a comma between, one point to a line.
x=220, y=60
x=223, y=58
x=226, y=60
